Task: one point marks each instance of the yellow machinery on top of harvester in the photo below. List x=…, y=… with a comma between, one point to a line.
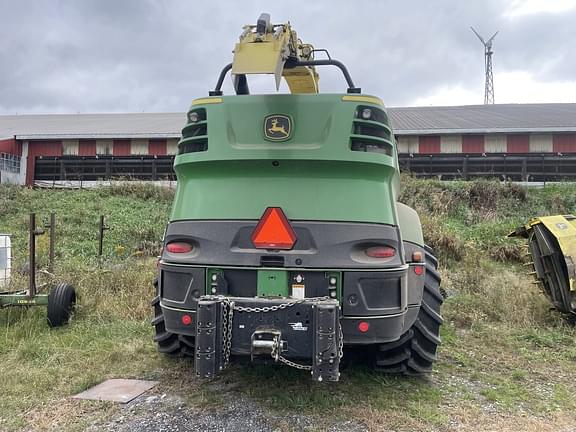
x=552, y=247
x=275, y=49
x=265, y=48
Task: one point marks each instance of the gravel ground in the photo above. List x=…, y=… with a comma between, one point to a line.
x=167, y=413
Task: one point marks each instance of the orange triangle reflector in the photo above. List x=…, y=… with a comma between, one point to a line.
x=274, y=231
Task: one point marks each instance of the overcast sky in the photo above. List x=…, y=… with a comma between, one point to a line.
x=68, y=56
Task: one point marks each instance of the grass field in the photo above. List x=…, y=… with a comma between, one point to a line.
x=507, y=362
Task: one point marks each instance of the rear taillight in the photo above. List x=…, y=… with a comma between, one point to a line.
x=380, y=252
x=179, y=247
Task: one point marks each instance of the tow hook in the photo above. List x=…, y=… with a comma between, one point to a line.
x=267, y=341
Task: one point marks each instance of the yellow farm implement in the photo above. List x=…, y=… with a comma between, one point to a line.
x=552, y=247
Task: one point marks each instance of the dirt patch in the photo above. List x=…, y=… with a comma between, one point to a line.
x=236, y=412
x=463, y=421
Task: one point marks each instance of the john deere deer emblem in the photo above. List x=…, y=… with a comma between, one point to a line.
x=277, y=127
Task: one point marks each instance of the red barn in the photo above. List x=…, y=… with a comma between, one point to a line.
x=511, y=141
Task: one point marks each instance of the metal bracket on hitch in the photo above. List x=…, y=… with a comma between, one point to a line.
x=267, y=341
x=327, y=342
x=208, y=352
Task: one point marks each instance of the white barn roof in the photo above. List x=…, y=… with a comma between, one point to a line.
x=92, y=126
x=502, y=118
x=498, y=118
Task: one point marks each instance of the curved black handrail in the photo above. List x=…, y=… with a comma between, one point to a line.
x=218, y=90
x=292, y=64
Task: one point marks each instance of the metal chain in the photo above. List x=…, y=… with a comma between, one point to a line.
x=229, y=342
x=227, y=318
x=341, y=343
x=293, y=364
x=278, y=307
x=228, y=308
x=309, y=368
x=279, y=357
x=223, y=307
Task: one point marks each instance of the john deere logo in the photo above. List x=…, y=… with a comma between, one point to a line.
x=277, y=127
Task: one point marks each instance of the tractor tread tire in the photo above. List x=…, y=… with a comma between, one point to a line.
x=162, y=337
x=187, y=340
x=399, y=357
x=426, y=333
x=431, y=357
x=400, y=342
x=435, y=316
x=415, y=352
x=170, y=347
x=61, y=302
x=169, y=343
x=415, y=368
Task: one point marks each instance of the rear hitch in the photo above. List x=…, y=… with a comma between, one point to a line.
x=224, y=327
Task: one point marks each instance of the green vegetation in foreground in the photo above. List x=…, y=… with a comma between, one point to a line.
x=505, y=356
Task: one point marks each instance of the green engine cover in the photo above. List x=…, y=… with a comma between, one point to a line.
x=303, y=161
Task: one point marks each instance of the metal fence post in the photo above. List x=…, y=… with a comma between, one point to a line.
x=52, y=227
x=103, y=227
x=32, y=254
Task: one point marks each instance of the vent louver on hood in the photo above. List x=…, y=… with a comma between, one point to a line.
x=371, y=132
x=195, y=133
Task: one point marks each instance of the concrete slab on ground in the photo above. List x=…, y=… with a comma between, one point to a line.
x=117, y=390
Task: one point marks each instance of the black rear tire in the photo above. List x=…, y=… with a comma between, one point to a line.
x=169, y=343
x=415, y=352
x=61, y=302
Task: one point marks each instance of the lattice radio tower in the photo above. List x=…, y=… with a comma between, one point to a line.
x=489, y=85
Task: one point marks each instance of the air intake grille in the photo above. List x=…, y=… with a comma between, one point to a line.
x=195, y=134
x=364, y=145
x=371, y=132
x=375, y=130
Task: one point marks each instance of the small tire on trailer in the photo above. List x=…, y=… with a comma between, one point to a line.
x=415, y=352
x=169, y=343
x=61, y=302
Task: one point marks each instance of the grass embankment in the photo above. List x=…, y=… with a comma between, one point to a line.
x=110, y=335
x=507, y=361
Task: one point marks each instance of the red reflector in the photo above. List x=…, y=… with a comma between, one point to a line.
x=419, y=270
x=274, y=231
x=363, y=326
x=186, y=319
x=380, y=252
x=179, y=247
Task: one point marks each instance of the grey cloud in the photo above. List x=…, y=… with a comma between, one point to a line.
x=144, y=55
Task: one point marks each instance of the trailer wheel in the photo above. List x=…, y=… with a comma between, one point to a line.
x=61, y=302
x=169, y=343
x=415, y=352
